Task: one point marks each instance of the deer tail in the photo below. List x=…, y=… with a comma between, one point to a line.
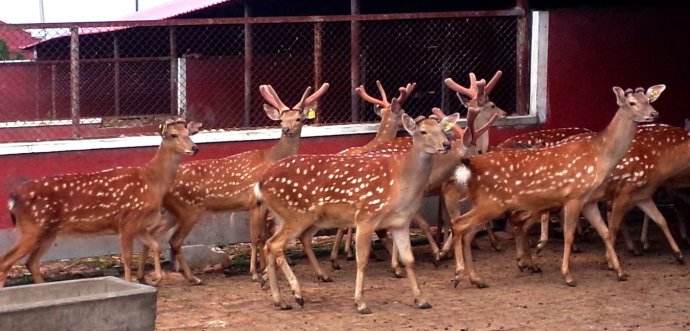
x=462, y=173
x=257, y=193
x=11, y=203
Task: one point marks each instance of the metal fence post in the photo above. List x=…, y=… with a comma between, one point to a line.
x=74, y=79
x=173, y=71
x=116, y=73
x=318, y=30
x=248, y=54
x=522, y=59
x=354, y=60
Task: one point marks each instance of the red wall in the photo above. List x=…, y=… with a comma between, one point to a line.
x=590, y=50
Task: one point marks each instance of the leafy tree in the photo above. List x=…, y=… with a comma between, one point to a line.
x=4, y=50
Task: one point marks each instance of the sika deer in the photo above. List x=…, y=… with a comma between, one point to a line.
x=226, y=184
x=126, y=201
x=570, y=175
x=481, y=115
x=387, y=131
x=306, y=193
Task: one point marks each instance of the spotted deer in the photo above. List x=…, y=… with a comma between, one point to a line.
x=225, y=184
x=126, y=201
x=307, y=193
x=659, y=153
x=387, y=131
x=571, y=175
x=482, y=113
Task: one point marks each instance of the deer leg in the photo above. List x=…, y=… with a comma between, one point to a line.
x=306, y=239
x=34, y=260
x=524, y=256
x=184, y=227
x=401, y=236
x=126, y=245
x=336, y=248
x=152, y=244
x=257, y=224
x=142, y=264
x=644, y=233
x=616, y=217
x=544, y=232
x=389, y=245
x=591, y=212
x=424, y=226
x=571, y=212
x=363, y=248
x=495, y=244
x=649, y=208
x=275, y=253
x=348, y=244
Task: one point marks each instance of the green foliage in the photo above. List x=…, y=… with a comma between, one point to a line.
x=4, y=50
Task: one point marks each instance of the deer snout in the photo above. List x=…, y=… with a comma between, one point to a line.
x=654, y=114
x=195, y=149
x=446, y=147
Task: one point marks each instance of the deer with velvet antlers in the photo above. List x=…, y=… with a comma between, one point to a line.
x=569, y=175
x=226, y=184
x=126, y=201
x=306, y=193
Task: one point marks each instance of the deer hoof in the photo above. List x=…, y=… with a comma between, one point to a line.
x=455, y=282
x=195, y=281
x=335, y=265
x=535, y=269
x=571, y=282
x=479, y=283
x=397, y=273
x=351, y=258
x=422, y=304
x=679, y=257
x=540, y=245
x=497, y=247
x=282, y=306
x=363, y=309
x=622, y=277
x=300, y=301
x=325, y=279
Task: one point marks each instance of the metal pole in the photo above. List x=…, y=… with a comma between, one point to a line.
x=74, y=79
x=248, y=58
x=53, y=110
x=523, y=49
x=173, y=71
x=318, y=59
x=116, y=78
x=354, y=60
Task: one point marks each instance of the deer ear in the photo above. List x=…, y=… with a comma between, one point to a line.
x=271, y=112
x=193, y=127
x=162, y=128
x=462, y=99
x=449, y=121
x=620, y=95
x=654, y=92
x=409, y=124
x=377, y=110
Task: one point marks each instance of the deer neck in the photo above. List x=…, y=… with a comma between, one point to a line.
x=415, y=169
x=286, y=146
x=482, y=140
x=162, y=168
x=387, y=130
x=616, y=139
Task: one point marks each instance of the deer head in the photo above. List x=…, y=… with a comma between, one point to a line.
x=176, y=134
x=476, y=99
x=430, y=134
x=291, y=119
x=390, y=117
x=638, y=102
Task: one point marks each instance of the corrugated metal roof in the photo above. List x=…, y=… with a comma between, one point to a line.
x=163, y=11
x=171, y=9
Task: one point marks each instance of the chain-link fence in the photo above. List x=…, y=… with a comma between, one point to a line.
x=60, y=81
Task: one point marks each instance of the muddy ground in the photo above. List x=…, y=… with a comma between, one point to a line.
x=656, y=296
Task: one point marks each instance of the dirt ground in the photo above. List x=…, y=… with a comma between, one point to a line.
x=656, y=296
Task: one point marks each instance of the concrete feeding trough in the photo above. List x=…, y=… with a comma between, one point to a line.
x=105, y=303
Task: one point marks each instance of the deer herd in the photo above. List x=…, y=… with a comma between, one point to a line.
x=376, y=188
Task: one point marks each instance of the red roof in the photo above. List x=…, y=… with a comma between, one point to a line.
x=171, y=9
x=163, y=11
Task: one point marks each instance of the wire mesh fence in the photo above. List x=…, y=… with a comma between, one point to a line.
x=102, y=80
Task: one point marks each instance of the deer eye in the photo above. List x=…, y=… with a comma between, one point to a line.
x=423, y=132
x=632, y=103
x=173, y=136
x=299, y=119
